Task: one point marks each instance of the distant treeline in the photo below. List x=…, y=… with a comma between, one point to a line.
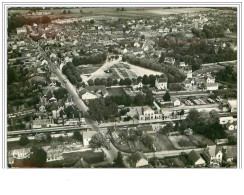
x=17, y=21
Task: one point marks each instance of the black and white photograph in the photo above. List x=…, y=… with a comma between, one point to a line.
x=130, y=97
x=121, y=87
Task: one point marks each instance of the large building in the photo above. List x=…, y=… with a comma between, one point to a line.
x=161, y=84
x=146, y=113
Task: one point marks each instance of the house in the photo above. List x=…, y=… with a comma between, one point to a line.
x=230, y=126
x=213, y=155
x=137, y=85
x=196, y=159
x=212, y=86
x=183, y=65
x=233, y=105
x=146, y=113
x=69, y=101
x=189, y=74
x=87, y=135
x=187, y=84
x=200, y=81
x=225, y=120
x=138, y=160
x=99, y=90
x=21, y=30
x=175, y=101
x=89, y=96
x=230, y=153
x=42, y=108
x=161, y=83
x=40, y=123
x=210, y=79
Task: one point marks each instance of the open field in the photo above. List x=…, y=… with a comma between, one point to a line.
x=200, y=140
x=88, y=69
x=177, y=10
x=123, y=70
x=181, y=142
x=116, y=91
x=164, y=142
x=108, y=12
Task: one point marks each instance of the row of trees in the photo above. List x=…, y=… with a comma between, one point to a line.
x=173, y=74
x=227, y=75
x=213, y=31
x=146, y=80
x=72, y=73
x=96, y=59
x=17, y=20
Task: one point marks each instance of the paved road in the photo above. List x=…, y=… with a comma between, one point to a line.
x=66, y=83
x=165, y=153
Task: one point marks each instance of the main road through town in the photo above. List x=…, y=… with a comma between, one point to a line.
x=111, y=153
x=66, y=83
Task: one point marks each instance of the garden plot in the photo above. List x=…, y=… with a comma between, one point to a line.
x=200, y=140
x=181, y=142
x=122, y=70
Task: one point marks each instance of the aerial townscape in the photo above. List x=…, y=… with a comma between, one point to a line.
x=122, y=87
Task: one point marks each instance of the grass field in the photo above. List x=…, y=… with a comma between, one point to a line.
x=181, y=142
x=107, y=12
x=200, y=140
x=115, y=91
x=124, y=70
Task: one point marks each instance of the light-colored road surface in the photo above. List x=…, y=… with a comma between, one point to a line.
x=165, y=153
x=110, y=153
x=104, y=67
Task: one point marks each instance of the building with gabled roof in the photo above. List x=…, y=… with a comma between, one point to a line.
x=137, y=160
x=196, y=159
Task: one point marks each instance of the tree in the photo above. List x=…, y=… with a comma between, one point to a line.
x=166, y=96
x=38, y=157
x=193, y=119
x=115, y=82
x=162, y=58
x=139, y=100
x=49, y=137
x=118, y=162
x=182, y=112
x=61, y=138
x=97, y=81
x=24, y=140
x=77, y=135
x=90, y=82
x=148, y=141
x=45, y=19
x=167, y=128
x=145, y=80
x=214, y=116
x=97, y=141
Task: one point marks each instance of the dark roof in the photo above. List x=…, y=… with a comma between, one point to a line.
x=135, y=157
x=82, y=164
x=194, y=156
